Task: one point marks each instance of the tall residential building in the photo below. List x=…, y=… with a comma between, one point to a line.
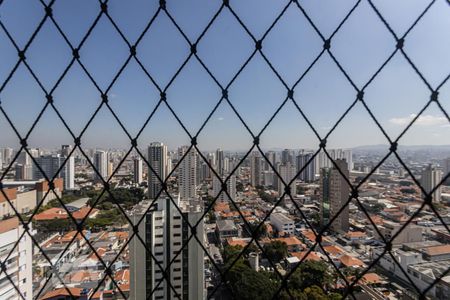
x=65, y=150
x=446, y=166
x=287, y=173
x=219, y=162
x=187, y=174
x=50, y=164
x=308, y=174
x=110, y=168
x=19, y=265
x=7, y=154
x=231, y=188
x=165, y=231
x=322, y=160
x=24, y=170
x=431, y=177
x=226, y=165
x=158, y=160
x=137, y=170
x=287, y=156
x=24, y=158
x=69, y=180
x=348, y=156
x=272, y=158
x=334, y=193
x=101, y=164
x=169, y=165
x=69, y=173
x=256, y=169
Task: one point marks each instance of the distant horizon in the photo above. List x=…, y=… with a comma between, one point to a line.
x=276, y=149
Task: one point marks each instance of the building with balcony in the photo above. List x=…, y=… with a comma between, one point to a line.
x=18, y=264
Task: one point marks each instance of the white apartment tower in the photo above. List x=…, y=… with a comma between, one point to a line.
x=187, y=173
x=272, y=158
x=431, y=177
x=19, y=265
x=101, y=164
x=231, y=188
x=24, y=166
x=69, y=173
x=165, y=231
x=137, y=170
x=158, y=160
x=287, y=173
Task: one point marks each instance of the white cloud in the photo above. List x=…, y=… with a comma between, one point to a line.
x=220, y=119
x=423, y=120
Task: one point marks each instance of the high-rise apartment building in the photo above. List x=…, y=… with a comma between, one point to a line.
x=322, y=160
x=69, y=173
x=23, y=172
x=287, y=156
x=287, y=173
x=65, y=150
x=219, y=162
x=137, y=170
x=231, y=188
x=309, y=172
x=7, y=154
x=187, y=174
x=348, y=156
x=24, y=166
x=334, y=193
x=19, y=265
x=101, y=164
x=51, y=164
x=69, y=178
x=165, y=231
x=256, y=169
x=272, y=158
x=158, y=160
x=431, y=177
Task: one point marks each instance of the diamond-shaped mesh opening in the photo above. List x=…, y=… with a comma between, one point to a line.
x=224, y=150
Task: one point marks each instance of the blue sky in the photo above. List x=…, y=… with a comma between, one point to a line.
x=361, y=46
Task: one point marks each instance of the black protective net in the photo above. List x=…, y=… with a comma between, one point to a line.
x=283, y=285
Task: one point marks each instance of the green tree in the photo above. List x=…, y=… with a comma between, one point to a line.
x=276, y=251
x=261, y=232
x=126, y=198
x=247, y=284
x=311, y=273
x=230, y=253
x=266, y=197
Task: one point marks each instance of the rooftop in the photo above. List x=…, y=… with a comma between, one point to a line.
x=9, y=224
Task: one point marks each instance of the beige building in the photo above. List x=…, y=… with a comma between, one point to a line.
x=334, y=193
x=26, y=201
x=409, y=234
